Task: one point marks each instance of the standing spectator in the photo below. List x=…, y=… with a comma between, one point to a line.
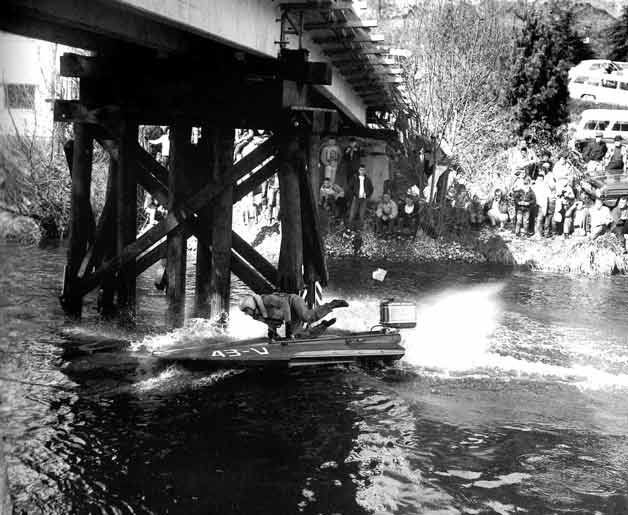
x=594, y=153
x=360, y=190
x=498, y=209
x=386, y=214
x=258, y=201
x=524, y=203
x=619, y=226
x=408, y=217
x=330, y=158
x=523, y=159
x=577, y=219
x=272, y=199
x=545, y=163
x=542, y=194
x=563, y=171
x=600, y=218
x=616, y=159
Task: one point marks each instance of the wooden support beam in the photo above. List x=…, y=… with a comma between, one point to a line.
x=249, y=276
x=291, y=166
x=81, y=173
x=126, y=214
x=265, y=269
x=177, y=243
x=349, y=24
x=349, y=38
x=221, y=141
x=254, y=180
x=148, y=259
x=174, y=219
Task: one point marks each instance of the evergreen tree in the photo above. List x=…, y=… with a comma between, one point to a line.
x=569, y=45
x=538, y=89
x=619, y=38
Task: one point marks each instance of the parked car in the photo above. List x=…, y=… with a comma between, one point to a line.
x=593, y=66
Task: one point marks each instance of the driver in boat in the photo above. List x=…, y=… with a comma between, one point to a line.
x=277, y=308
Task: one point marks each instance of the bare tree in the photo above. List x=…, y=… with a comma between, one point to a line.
x=454, y=78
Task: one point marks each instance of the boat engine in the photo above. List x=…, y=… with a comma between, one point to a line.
x=397, y=314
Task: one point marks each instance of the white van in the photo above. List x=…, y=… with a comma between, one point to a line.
x=610, y=88
x=610, y=122
x=593, y=66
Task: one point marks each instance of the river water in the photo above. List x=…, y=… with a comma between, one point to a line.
x=512, y=398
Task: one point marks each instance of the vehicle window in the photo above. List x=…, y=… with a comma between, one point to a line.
x=609, y=83
x=593, y=83
x=581, y=80
x=596, y=66
x=623, y=85
x=596, y=125
x=621, y=127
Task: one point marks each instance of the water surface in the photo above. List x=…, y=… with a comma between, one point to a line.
x=511, y=399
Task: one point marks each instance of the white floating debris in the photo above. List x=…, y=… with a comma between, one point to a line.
x=379, y=274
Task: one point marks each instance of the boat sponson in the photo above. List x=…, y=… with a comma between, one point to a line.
x=259, y=352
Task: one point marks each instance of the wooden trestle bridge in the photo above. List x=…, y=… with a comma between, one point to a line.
x=302, y=70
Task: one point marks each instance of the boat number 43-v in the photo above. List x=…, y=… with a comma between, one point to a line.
x=235, y=353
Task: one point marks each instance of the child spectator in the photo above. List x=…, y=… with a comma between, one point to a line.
x=329, y=195
x=498, y=209
x=524, y=202
x=386, y=214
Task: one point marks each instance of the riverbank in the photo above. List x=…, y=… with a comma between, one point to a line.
x=579, y=256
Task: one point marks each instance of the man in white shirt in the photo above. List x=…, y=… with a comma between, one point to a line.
x=361, y=189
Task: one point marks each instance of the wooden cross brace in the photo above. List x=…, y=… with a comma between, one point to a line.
x=261, y=277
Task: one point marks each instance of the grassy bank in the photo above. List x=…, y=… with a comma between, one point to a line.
x=579, y=256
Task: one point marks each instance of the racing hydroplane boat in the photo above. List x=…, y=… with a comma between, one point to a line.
x=383, y=344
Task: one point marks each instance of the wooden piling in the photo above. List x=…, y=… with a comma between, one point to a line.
x=203, y=175
x=126, y=214
x=291, y=166
x=80, y=215
x=222, y=141
x=180, y=135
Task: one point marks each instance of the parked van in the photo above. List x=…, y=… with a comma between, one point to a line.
x=610, y=88
x=610, y=122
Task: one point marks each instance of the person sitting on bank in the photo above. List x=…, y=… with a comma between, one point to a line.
x=616, y=159
x=594, y=153
x=497, y=209
x=619, y=226
x=476, y=213
x=386, y=214
x=408, y=215
x=276, y=309
x=601, y=219
x=329, y=195
x=360, y=189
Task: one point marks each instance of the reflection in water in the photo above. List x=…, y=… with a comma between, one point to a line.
x=511, y=397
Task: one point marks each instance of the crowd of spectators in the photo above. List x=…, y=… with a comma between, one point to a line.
x=552, y=198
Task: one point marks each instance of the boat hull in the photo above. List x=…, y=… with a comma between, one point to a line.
x=325, y=350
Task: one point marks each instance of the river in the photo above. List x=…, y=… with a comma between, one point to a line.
x=511, y=399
